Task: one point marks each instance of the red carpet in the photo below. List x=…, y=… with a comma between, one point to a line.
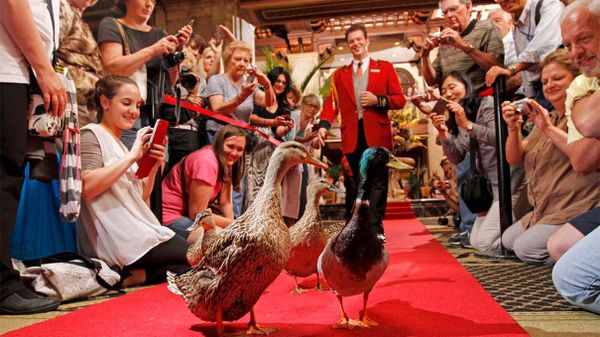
x=399, y=210
x=424, y=292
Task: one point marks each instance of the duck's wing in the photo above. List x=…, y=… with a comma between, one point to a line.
x=227, y=247
x=334, y=229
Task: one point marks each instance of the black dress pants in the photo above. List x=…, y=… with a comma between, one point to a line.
x=14, y=101
x=377, y=190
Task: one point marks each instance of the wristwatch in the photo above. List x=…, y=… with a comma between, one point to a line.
x=469, y=49
x=470, y=127
x=513, y=69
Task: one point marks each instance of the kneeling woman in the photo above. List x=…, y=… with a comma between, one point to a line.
x=116, y=224
x=204, y=178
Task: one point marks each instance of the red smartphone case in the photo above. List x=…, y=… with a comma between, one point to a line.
x=158, y=137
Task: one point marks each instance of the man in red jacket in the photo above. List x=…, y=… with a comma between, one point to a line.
x=363, y=92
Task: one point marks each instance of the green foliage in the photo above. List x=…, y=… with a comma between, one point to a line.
x=324, y=91
x=314, y=70
x=272, y=61
x=334, y=172
x=416, y=179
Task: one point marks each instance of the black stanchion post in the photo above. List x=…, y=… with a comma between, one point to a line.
x=504, y=188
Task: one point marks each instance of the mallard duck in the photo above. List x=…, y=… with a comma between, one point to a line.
x=354, y=260
x=307, y=234
x=247, y=256
x=206, y=237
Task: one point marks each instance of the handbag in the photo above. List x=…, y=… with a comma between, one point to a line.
x=69, y=276
x=140, y=76
x=42, y=124
x=476, y=191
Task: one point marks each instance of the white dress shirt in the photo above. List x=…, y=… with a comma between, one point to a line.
x=534, y=42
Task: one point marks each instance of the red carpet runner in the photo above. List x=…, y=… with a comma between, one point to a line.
x=424, y=292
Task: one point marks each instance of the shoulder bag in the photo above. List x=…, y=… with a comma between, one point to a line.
x=476, y=191
x=140, y=76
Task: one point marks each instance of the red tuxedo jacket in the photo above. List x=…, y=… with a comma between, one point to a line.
x=383, y=82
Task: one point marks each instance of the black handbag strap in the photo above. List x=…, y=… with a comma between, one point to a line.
x=475, y=157
x=68, y=257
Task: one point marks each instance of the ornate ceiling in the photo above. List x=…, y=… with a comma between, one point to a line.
x=269, y=12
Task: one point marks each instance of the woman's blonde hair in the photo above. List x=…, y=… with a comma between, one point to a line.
x=201, y=61
x=232, y=47
x=560, y=56
x=311, y=99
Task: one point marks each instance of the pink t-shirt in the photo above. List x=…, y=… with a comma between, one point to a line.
x=199, y=165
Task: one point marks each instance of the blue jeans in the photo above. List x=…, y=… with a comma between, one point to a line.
x=576, y=275
x=180, y=226
x=467, y=218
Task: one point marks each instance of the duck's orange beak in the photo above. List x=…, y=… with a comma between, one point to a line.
x=315, y=162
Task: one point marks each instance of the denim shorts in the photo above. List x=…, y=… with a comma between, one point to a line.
x=588, y=221
x=180, y=226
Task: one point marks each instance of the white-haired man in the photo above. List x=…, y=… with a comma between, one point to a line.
x=536, y=35
x=577, y=271
x=468, y=46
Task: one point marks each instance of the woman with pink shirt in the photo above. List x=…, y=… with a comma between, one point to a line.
x=205, y=177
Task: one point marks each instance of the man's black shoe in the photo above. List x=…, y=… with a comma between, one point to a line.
x=25, y=302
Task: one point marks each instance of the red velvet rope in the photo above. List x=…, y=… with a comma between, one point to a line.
x=215, y=115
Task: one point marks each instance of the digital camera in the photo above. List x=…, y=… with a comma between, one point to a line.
x=172, y=60
x=521, y=106
x=436, y=36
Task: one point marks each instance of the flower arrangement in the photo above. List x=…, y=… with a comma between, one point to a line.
x=402, y=122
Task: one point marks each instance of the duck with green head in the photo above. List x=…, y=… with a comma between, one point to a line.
x=355, y=259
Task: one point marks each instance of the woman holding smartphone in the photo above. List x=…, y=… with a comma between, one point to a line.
x=274, y=120
x=472, y=116
x=235, y=93
x=117, y=224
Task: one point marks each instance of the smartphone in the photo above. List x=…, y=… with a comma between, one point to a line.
x=418, y=99
x=218, y=36
x=250, y=74
x=190, y=23
x=315, y=127
x=440, y=106
x=158, y=137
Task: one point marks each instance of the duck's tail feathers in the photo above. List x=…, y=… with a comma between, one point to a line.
x=172, y=285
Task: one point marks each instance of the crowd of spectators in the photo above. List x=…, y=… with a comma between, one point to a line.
x=123, y=72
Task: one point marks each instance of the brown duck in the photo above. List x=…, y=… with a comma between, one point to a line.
x=247, y=256
x=308, y=235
